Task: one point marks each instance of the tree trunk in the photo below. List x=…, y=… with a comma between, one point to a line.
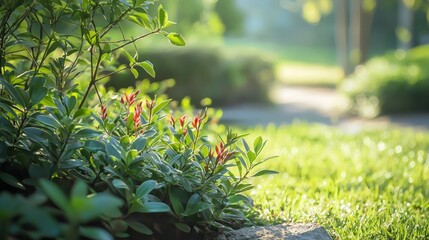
x=353, y=33
x=341, y=36
x=405, y=26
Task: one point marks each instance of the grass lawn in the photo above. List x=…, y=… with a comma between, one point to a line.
x=370, y=185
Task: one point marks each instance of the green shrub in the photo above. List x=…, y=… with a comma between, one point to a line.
x=79, y=162
x=394, y=83
x=201, y=72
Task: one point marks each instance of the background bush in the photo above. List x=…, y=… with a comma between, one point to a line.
x=394, y=83
x=225, y=77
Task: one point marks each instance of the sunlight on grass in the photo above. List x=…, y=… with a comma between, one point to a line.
x=308, y=74
x=371, y=185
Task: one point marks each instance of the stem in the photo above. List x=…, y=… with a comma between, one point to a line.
x=112, y=73
x=195, y=141
x=135, y=39
x=20, y=127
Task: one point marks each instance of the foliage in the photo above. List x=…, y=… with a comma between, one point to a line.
x=126, y=170
x=197, y=18
x=366, y=185
x=232, y=17
x=228, y=77
x=396, y=82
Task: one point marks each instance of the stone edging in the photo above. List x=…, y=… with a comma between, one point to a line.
x=294, y=231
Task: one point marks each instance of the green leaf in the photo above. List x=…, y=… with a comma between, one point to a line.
x=134, y=72
x=95, y=206
x=48, y=120
x=70, y=164
x=79, y=189
x=145, y=188
x=239, y=197
x=8, y=109
x=182, y=227
x=52, y=47
x=153, y=207
x=161, y=105
x=118, y=225
x=83, y=112
x=119, y=184
x=37, y=90
x=139, y=227
x=38, y=135
x=251, y=155
x=57, y=196
x=175, y=194
x=13, y=92
x=113, y=149
x=148, y=67
x=87, y=133
x=162, y=16
x=195, y=205
x=70, y=103
x=176, y=39
x=92, y=37
x=258, y=144
x=264, y=172
x=95, y=233
x=139, y=144
x=130, y=58
x=246, y=146
x=94, y=145
x=11, y=180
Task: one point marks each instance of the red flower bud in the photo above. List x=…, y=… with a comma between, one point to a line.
x=172, y=121
x=103, y=112
x=196, y=123
x=182, y=121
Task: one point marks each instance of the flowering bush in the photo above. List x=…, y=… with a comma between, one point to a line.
x=132, y=168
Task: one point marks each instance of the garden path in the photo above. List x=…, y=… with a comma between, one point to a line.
x=313, y=105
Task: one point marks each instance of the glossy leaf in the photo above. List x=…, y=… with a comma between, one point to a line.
x=13, y=92
x=148, y=67
x=162, y=16
x=11, y=180
x=264, y=172
x=70, y=164
x=175, y=195
x=145, y=188
x=95, y=233
x=87, y=133
x=139, y=143
x=57, y=196
x=153, y=207
x=37, y=90
x=176, y=39
x=161, y=105
x=119, y=184
x=183, y=227
x=83, y=112
x=139, y=227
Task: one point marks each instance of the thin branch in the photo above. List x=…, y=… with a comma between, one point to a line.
x=112, y=73
x=136, y=39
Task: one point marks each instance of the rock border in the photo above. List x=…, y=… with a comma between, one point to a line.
x=291, y=231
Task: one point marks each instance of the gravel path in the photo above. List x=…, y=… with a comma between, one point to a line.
x=313, y=105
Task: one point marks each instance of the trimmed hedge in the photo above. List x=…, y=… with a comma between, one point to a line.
x=225, y=77
x=397, y=82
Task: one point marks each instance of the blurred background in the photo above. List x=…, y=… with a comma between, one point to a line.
x=326, y=61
